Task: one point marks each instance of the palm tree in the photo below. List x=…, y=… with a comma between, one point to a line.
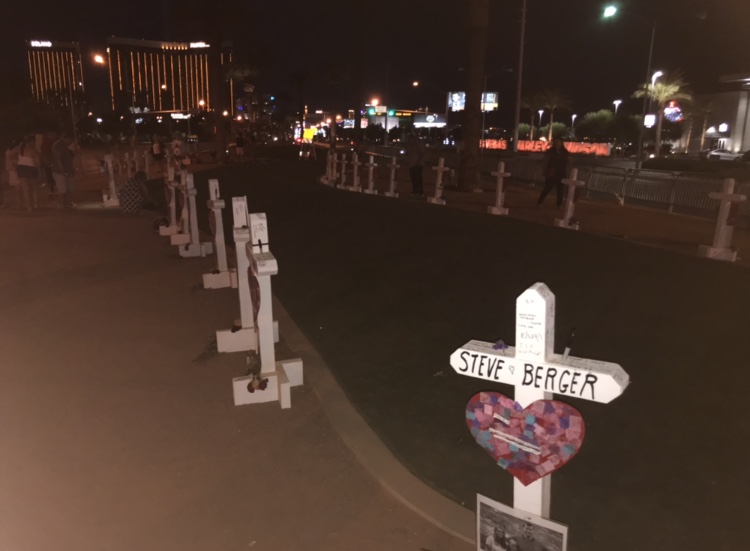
x=478, y=14
x=668, y=87
x=554, y=99
x=533, y=103
x=698, y=109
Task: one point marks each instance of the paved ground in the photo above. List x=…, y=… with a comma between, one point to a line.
x=386, y=290
x=113, y=439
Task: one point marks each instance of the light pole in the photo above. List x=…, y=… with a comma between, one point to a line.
x=617, y=103
x=519, y=84
x=573, y=123
x=541, y=112
x=611, y=11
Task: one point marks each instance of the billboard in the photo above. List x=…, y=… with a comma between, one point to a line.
x=429, y=120
x=457, y=101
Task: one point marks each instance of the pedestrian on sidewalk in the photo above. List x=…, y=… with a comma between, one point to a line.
x=27, y=169
x=63, y=169
x=556, y=167
x=133, y=194
x=415, y=159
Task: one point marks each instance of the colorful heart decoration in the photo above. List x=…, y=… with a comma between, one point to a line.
x=529, y=443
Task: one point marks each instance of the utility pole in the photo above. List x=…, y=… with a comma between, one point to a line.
x=520, y=78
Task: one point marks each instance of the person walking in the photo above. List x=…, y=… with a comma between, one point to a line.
x=27, y=170
x=415, y=159
x=556, y=167
x=63, y=169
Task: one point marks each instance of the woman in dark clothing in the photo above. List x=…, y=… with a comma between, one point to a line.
x=556, y=167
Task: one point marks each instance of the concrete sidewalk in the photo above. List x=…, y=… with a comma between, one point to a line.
x=114, y=439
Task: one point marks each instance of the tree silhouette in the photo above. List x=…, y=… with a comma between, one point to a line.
x=554, y=99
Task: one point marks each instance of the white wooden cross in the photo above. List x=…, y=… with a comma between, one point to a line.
x=128, y=166
x=499, y=206
x=536, y=372
x=182, y=237
x=392, y=180
x=170, y=185
x=281, y=376
x=242, y=336
x=437, y=198
x=371, y=165
x=568, y=220
x=722, y=249
x=109, y=195
x=194, y=247
x=146, y=161
x=343, y=170
x=334, y=170
x=222, y=276
x=355, y=173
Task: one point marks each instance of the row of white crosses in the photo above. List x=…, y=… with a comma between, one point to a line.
x=336, y=175
x=188, y=239
x=536, y=372
x=257, y=331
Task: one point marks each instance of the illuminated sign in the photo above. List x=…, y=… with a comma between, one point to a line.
x=599, y=149
x=723, y=127
x=41, y=44
x=199, y=45
x=456, y=101
x=649, y=120
x=673, y=113
x=179, y=116
x=489, y=101
x=429, y=120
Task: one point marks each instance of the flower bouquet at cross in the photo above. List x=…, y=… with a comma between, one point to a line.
x=253, y=371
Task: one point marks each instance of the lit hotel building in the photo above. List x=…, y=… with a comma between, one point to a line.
x=163, y=76
x=55, y=71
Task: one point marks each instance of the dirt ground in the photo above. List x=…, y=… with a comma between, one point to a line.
x=114, y=439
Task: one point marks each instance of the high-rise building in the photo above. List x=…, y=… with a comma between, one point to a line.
x=149, y=75
x=55, y=71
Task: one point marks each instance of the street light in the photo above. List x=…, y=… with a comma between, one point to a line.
x=541, y=112
x=99, y=58
x=573, y=121
x=655, y=77
x=611, y=11
x=415, y=83
x=617, y=103
x=375, y=101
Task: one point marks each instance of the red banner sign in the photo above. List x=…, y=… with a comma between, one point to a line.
x=600, y=149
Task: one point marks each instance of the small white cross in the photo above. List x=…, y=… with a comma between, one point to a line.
x=722, y=249
x=392, y=182
x=500, y=174
x=568, y=220
x=437, y=198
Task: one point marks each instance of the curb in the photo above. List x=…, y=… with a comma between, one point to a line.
x=367, y=446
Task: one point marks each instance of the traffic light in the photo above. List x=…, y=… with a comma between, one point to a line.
x=371, y=111
x=391, y=112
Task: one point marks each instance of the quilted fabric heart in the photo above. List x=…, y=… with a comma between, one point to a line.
x=529, y=443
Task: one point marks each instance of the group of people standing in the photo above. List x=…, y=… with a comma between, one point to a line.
x=41, y=161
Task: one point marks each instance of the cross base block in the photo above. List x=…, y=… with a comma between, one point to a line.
x=435, y=201
x=287, y=374
x=717, y=253
x=392, y=194
x=242, y=339
x=178, y=239
x=502, y=211
x=560, y=223
x=168, y=230
x=220, y=280
x=192, y=250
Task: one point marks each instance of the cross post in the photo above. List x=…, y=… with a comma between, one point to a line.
x=371, y=164
x=169, y=186
x=568, y=220
x=721, y=248
x=392, y=179
x=355, y=173
x=222, y=276
x=499, y=206
x=437, y=198
x=109, y=196
x=343, y=170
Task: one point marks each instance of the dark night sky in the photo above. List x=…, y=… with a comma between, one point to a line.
x=568, y=45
